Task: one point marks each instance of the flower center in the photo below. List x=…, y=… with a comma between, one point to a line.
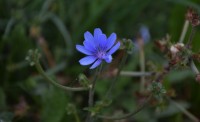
x=101, y=54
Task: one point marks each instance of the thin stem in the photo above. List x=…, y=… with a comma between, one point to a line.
x=184, y=30
x=116, y=77
x=91, y=93
x=142, y=67
x=191, y=37
x=51, y=71
x=183, y=110
x=128, y=114
x=135, y=74
x=45, y=7
x=76, y=117
x=41, y=71
x=11, y=22
x=92, y=90
x=188, y=45
x=193, y=67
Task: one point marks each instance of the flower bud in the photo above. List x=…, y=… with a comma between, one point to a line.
x=176, y=48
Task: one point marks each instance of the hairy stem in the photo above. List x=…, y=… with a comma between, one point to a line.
x=41, y=71
x=91, y=94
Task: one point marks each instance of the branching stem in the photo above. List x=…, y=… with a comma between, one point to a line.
x=41, y=71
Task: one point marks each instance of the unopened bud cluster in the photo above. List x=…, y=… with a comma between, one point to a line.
x=157, y=89
x=176, y=48
x=193, y=17
x=32, y=56
x=180, y=55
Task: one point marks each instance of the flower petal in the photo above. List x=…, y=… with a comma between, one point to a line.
x=111, y=41
x=97, y=31
x=90, y=45
x=108, y=58
x=102, y=40
x=83, y=50
x=114, y=49
x=87, y=60
x=88, y=36
x=97, y=63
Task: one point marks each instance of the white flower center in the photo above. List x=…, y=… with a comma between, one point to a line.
x=100, y=54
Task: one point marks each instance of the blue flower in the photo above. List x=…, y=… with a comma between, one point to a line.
x=144, y=35
x=144, y=32
x=97, y=48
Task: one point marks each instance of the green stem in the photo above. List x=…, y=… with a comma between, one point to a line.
x=188, y=45
x=142, y=67
x=91, y=93
x=135, y=74
x=11, y=22
x=184, y=30
x=193, y=67
x=128, y=114
x=76, y=117
x=41, y=71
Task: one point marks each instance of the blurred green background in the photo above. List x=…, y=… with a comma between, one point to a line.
x=56, y=26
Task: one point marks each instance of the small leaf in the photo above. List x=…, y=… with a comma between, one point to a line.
x=84, y=80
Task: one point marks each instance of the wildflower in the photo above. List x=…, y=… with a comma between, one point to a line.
x=97, y=48
x=144, y=33
x=143, y=37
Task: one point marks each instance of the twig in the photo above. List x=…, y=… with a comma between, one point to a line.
x=128, y=114
x=184, y=30
x=135, y=74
